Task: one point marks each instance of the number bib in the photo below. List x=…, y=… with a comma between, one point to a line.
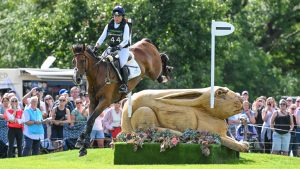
x=115, y=37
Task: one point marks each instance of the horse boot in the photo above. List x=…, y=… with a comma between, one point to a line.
x=86, y=144
x=124, y=88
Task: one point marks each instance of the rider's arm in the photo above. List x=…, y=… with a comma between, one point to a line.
x=102, y=37
x=125, y=36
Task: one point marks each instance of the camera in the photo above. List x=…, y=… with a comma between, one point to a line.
x=38, y=89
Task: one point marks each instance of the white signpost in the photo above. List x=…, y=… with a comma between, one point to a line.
x=217, y=29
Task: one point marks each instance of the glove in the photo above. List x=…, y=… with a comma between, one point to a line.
x=116, y=48
x=119, y=47
x=96, y=49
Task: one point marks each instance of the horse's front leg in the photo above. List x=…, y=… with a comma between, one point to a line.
x=85, y=136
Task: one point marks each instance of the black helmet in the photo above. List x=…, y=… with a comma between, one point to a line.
x=118, y=10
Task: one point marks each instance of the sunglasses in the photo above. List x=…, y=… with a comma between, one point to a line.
x=14, y=101
x=293, y=108
x=62, y=100
x=283, y=104
x=48, y=99
x=78, y=102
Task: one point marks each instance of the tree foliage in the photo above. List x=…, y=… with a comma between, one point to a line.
x=261, y=56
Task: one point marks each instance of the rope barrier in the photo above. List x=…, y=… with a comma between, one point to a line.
x=273, y=128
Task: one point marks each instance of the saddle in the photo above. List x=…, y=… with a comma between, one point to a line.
x=132, y=66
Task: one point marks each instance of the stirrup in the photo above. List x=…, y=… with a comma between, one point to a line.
x=123, y=88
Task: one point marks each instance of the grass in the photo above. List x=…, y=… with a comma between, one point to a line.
x=103, y=159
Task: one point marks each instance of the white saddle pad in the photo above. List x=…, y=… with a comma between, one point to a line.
x=134, y=68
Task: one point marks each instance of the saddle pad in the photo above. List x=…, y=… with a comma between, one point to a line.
x=134, y=68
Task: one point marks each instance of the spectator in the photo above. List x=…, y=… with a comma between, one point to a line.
x=12, y=93
x=293, y=143
x=49, y=103
x=74, y=93
x=4, y=106
x=266, y=132
x=13, y=116
x=80, y=113
x=60, y=116
x=33, y=128
x=281, y=124
x=112, y=120
x=35, y=92
x=298, y=104
x=247, y=116
x=249, y=113
x=289, y=101
x=245, y=95
x=69, y=105
x=298, y=124
x=257, y=108
x=86, y=100
x=97, y=133
x=233, y=123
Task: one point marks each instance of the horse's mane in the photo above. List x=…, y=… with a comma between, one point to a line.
x=79, y=48
x=90, y=51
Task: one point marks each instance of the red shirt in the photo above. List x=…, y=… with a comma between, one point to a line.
x=19, y=114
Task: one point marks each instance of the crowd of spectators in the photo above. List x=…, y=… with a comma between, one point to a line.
x=38, y=117
x=273, y=128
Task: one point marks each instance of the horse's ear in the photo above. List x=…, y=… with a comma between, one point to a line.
x=184, y=98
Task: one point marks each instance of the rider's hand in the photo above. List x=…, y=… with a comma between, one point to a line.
x=96, y=49
x=119, y=47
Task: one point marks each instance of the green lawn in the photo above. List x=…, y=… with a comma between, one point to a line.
x=103, y=159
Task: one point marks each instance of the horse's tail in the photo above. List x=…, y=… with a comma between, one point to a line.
x=149, y=41
x=166, y=70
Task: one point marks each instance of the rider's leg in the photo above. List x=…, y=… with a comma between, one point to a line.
x=124, y=53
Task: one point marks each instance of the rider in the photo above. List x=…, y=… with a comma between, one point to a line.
x=117, y=33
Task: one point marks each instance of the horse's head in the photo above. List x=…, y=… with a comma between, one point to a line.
x=79, y=62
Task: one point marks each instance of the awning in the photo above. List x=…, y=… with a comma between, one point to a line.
x=63, y=74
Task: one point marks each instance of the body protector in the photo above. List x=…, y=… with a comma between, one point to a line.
x=115, y=35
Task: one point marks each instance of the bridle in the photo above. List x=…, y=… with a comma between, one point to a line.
x=76, y=55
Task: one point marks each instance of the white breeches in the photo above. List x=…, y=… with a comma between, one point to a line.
x=123, y=56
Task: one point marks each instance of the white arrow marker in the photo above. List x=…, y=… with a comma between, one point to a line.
x=217, y=29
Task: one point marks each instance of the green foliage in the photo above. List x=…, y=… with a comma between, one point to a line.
x=181, y=154
x=261, y=56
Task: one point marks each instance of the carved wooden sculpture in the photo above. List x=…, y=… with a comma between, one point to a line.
x=179, y=109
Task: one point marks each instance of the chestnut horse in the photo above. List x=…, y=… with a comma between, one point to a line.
x=98, y=70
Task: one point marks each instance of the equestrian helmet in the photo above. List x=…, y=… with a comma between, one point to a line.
x=118, y=10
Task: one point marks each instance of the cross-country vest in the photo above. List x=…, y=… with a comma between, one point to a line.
x=115, y=35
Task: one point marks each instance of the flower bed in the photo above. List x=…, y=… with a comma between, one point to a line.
x=153, y=147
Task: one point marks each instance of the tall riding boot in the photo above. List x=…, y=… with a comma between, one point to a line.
x=124, y=88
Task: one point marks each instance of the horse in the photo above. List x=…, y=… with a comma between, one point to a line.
x=103, y=81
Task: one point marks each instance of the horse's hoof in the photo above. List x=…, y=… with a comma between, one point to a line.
x=82, y=152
